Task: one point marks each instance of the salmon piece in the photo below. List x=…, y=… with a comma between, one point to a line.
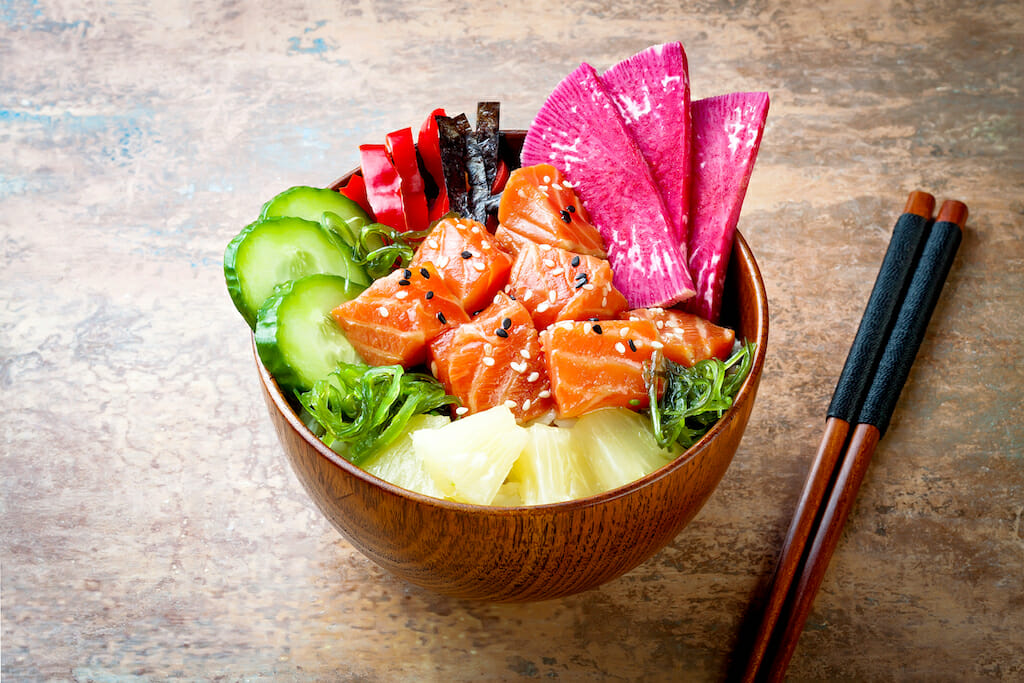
x=598, y=364
x=555, y=284
x=395, y=318
x=511, y=242
x=495, y=359
x=539, y=204
x=471, y=262
x=688, y=338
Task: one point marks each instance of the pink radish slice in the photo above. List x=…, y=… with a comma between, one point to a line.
x=580, y=132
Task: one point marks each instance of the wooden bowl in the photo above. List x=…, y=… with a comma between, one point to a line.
x=528, y=553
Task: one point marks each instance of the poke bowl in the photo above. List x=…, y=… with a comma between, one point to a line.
x=538, y=552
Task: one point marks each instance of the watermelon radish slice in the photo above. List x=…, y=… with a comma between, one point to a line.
x=726, y=135
x=652, y=92
x=579, y=131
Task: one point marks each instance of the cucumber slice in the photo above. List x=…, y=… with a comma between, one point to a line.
x=296, y=337
x=311, y=203
x=275, y=250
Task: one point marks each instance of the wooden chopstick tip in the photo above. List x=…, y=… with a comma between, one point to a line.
x=920, y=204
x=953, y=211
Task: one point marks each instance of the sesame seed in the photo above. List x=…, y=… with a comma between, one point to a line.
x=544, y=394
x=547, y=179
x=527, y=294
x=432, y=243
x=425, y=273
x=565, y=215
x=576, y=262
x=589, y=286
x=623, y=332
x=506, y=323
x=548, y=263
x=485, y=246
x=511, y=404
x=488, y=348
x=660, y=324
x=479, y=266
x=657, y=345
x=544, y=247
x=533, y=377
x=558, y=271
x=542, y=188
x=475, y=230
x=407, y=273
x=526, y=404
x=401, y=294
x=466, y=254
x=383, y=312
x=501, y=333
x=597, y=329
x=632, y=346
x=552, y=296
x=403, y=283
x=429, y=295
x=604, y=301
x=433, y=368
x=620, y=347
x=461, y=410
x=525, y=353
x=441, y=318
x=543, y=306
x=570, y=208
x=488, y=361
x=518, y=367
x=634, y=318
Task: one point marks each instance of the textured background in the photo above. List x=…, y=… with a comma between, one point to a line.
x=150, y=526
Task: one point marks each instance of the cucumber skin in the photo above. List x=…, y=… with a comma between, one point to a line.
x=357, y=273
x=268, y=326
x=303, y=201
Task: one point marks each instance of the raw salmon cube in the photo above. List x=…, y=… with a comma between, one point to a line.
x=599, y=364
x=466, y=255
x=555, y=284
x=495, y=359
x=688, y=338
x=395, y=318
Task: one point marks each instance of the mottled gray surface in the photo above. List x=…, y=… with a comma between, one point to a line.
x=150, y=526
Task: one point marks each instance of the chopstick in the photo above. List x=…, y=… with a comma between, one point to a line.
x=894, y=322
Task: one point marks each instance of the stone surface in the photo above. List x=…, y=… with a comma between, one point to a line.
x=150, y=527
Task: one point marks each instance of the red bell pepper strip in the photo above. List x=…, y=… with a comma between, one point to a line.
x=383, y=186
x=428, y=143
x=402, y=151
x=500, y=177
x=355, y=189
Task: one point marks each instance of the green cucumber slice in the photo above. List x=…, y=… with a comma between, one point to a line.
x=296, y=337
x=311, y=203
x=275, y=250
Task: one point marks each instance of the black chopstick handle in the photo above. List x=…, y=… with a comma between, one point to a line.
x=908, y=332
x=879, y=315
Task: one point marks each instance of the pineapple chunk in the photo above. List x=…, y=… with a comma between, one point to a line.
x=549, y=470
x=470, y=458
x=399, y=462
x=509, y=495
x=618, y=446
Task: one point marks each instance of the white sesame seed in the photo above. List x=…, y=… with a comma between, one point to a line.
x=544, y=394
x=620, y=347
x=461, y=410
x=656, y=309
x=543, y=306
x=511, y=404
x=475, y=230
x=660, y=324
x=548, y=263
x=526, y=404
x=542, y=188
x=544, y=247
x=657, y=345
x=604, y=301
x=478, y=266
x=496, y=299
x=526, y=295
x=558, y=271
x=623, y=332
x=533, y=377
x=401, y=294
x=518, y=367
x=432, y=243
x=634, y=318
x=485, y=246
x=673, y=322
x=552, y=296
x=383, y=312
x=589, y=287
x=556, y=186
x=488, y=361
x=488, y=348
x=546, y=179
x=525, y=353
x=433, y=368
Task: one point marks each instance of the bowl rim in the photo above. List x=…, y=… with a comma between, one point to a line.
x=740, y=249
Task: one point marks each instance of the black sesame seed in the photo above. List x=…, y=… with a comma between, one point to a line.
x=575, y=261
x=404, y=283
x=407, y=273
x=506, y=323
x=593, y=319
x=581, y=276
x=632, y=346
x=425, y=273
x=466, y=254
x=430, y=295
x=571, y=209
x=441, y=318
x=597, y=329
x=501, y=333
x=512, y=296
x=566, y=216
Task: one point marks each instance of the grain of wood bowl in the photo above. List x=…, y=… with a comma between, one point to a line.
x=533, y=553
